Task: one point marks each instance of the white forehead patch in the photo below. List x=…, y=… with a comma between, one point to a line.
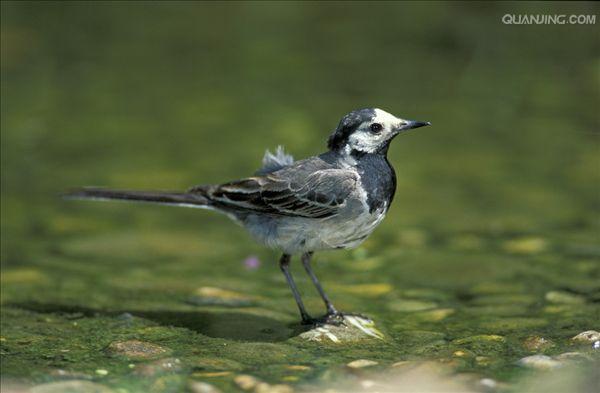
x=384, y=117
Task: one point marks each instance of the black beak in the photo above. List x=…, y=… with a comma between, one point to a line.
x=410, y=124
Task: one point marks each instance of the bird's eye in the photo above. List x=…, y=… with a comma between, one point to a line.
x=376, y=128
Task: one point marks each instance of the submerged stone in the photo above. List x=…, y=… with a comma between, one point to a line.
x=264, y=387
x=408, y=305
x=360, y=363
x=246, y=382
x=512, y=324
x=202, y=387
x=158, y=367
x=589, y=336
x=136, y=350
x=434, y=315
x=537, y=343
x=526, y=245
x=562, y=297
x=539, y=362
x=354, y=328
x=211, y=296
x=74, y=386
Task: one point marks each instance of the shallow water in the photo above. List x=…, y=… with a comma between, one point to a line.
x=493, y=237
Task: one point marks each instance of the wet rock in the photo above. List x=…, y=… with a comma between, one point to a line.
x=102, y=372
x=561, y=297
x=136, y=350
x=211, y=296
x=246, y=382
x=434, y=315
x=573, y=357
x=216, y=364
x=297, y=367
x=68, y=374
x=479, y=338
x=264, y=387
x=211, y=374
x=74, y=386
x=158, y=367
x=354, y=329
x=589, y=336
x=369, y=290
x=537, y=343
x=526, y=245
x=360, y=363
x=202, y=387
x=408, y=305
x=539, y=362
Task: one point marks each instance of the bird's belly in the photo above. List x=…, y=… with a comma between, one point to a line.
x=294, y=235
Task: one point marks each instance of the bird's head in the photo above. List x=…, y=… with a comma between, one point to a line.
x=369, y=131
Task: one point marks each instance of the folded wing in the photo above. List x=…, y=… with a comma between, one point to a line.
x=317, y=194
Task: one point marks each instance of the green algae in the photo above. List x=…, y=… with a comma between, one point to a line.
x=492, y=239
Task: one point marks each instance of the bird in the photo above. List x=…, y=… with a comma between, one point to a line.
x=333, y=200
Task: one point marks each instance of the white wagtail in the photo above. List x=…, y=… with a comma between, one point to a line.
x=330, y=201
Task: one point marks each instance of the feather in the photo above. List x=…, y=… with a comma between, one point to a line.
x=274, y=162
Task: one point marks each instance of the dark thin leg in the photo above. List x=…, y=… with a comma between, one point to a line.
x=284, y=265
x=306, y=262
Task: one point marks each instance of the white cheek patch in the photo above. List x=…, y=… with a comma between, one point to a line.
x=365, y=142
x=385, y=118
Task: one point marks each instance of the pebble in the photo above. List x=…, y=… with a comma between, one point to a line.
x=434, y=315
x=211, y=296
x=264, y=387
x=297, y=367
x=561, y=297
x=135, y=349
x=589, y=336
x=102, y=372
x=158, y=367
x=573, y=357
x=202, y=387
x=526, y=245
x=246, y=382
x=74, y=386
x=360, y=363
x=537, y=343
x=407, y=305
x=539, y=362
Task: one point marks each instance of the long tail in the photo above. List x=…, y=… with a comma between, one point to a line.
x=190, y=199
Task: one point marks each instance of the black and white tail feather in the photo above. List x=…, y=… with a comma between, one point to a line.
x=197, y=197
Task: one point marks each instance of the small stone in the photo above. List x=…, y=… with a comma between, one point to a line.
x=488, y=383
x=297, y=367
x=537, y=343
x=135, y=349
x=102, y=372
x=263, y=387
x=353, y=329
x=211, y=296
x=158, y=367
x=526, y=245
x=68, y=374
x=74, y=386
x=246, y=382
x=573, y=357
x=407, y=305
x=216, y=364
x=202, y=387
x=360, y=363
x=434, y=315
x=562, y=297
x=539, y=362
x=211, y=374
x=481, y=337
x=369, y=290
x=459, y=354
x=589, y=336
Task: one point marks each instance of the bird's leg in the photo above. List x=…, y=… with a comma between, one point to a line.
x=284, y=265
x=331, y=311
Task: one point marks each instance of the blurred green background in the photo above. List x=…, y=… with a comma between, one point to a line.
x=502, y=188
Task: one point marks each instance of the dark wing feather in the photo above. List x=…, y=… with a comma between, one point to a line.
x=317, y=194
